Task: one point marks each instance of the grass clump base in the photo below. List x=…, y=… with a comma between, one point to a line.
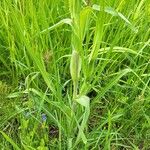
x=74, y=74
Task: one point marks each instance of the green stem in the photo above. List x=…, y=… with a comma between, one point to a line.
x=75, y=89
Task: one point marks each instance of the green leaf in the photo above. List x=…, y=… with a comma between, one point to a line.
x=118, y=49
x=8, y=139
x=84, y=101
x=84, y=19
x=113, y=12
x=108, y=10
x=97, y=36
x=112, y=82
x=60, y=23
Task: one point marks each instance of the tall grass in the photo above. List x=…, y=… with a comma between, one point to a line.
x=74, y=74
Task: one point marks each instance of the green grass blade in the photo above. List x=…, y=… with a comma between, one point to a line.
x=10, y=140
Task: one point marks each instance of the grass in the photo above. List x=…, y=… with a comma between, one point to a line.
x=74, y=74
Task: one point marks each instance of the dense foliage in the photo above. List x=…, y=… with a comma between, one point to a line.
x=74, y=74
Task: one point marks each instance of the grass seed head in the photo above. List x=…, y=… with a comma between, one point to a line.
x=75, y=65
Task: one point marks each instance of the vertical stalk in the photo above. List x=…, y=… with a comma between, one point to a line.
x=75, y=67
x=75, y=89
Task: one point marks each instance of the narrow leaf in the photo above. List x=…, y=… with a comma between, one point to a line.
x=15, y=146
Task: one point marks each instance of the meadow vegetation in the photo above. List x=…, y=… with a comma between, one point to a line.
x=74, y=74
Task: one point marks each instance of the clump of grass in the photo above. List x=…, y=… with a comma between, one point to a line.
x=84, y=65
